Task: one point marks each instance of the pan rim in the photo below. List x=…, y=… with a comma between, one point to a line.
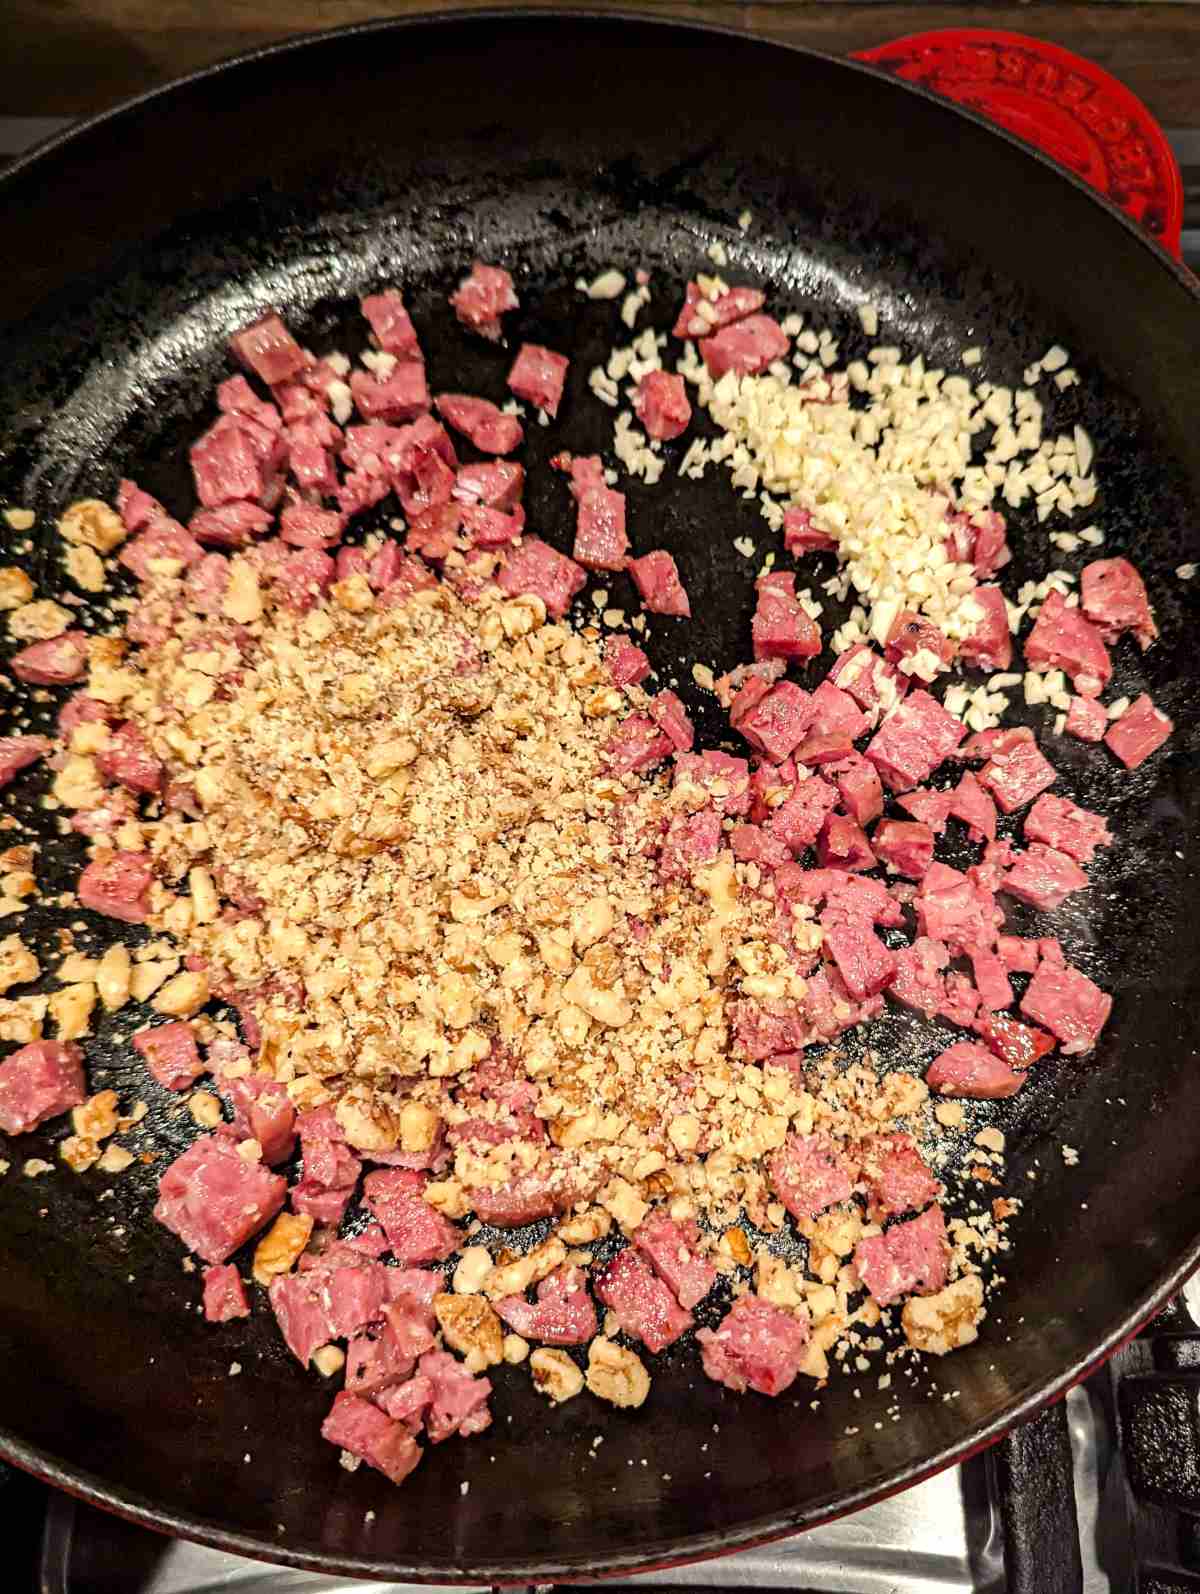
x=136, y=1508
x=455, y=14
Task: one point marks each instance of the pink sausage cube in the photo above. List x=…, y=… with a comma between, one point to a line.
x=1086, y=719
x=723, y=311
x=268, y=349
x=482, y=298
x=670, y=1250
x=56, y=662
x=487, y=426
x=402, y=396
x=968, y=1069
x=809, y=1174
x=538, y=375
x=662, y=406
x=864, y=963
x=911, y=1258
x=757, y=1345
x=1062, y=638
x=1017, y=774
x=782, y=628
x=118, y=884
x=18, y=752
x=801, y=536
x=171, y=1054
x=626, y=663
x=1068, y=1004
x=897, y=1177
x=40, y=1081
x=1113, y=597
x=904, y=846
x=656, y=577
x=359, y=1427
x=644, y=1306
x=1140, y=731
x=224, y=1294
x=536, y=567
x=416, y=1231
x=498, y=484
x=746, y=347
x=391, y=326
x=915, y=738
x=859, y=788
x=600, y=539
x=777, y=723
x=214, y=1199
x=1063, y=825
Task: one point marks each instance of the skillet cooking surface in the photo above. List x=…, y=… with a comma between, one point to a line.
x=560, y=146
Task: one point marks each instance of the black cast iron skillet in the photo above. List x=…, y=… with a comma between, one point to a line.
x=559, y=145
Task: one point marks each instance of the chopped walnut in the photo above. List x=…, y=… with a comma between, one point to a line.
x=21, y=1018
x=419, y=1126
x=85, y=568
x=71, y=1011
x=243, y=598
x=206, y=905
x=136, y=1113
x=448, y=1197
x=329, y=1361
x=470, y=1326
x=15, y=587
x=38, y=621
x=112, y=976
x=684, y=1131
x=514, y=1278
x=606, y=1004
x=938, y=1324
x=832, y=1236
x=183, y=996
x=516, y=1349
x=17, y=963
x=92, y=523
x=776, y=1282
x=97, y=1118
x=77, y=784
x=79, y=1153
x=585, y=1227
x=367, y=1126
x=205, y=1108
x=734, y=1241
x=146, y=978
x=555, y=1374
x=814, y=1362
x=280, y=1247
x=622, y=1201
x=592, y=922
x=616, y=1374
x=115, y=1159
x=474, y=1265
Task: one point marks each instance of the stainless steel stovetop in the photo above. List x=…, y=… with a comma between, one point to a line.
x=941, y=1537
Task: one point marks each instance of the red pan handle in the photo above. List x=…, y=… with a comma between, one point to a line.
x=1068, y=107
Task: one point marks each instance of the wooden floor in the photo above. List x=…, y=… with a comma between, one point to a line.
x=69, y=57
